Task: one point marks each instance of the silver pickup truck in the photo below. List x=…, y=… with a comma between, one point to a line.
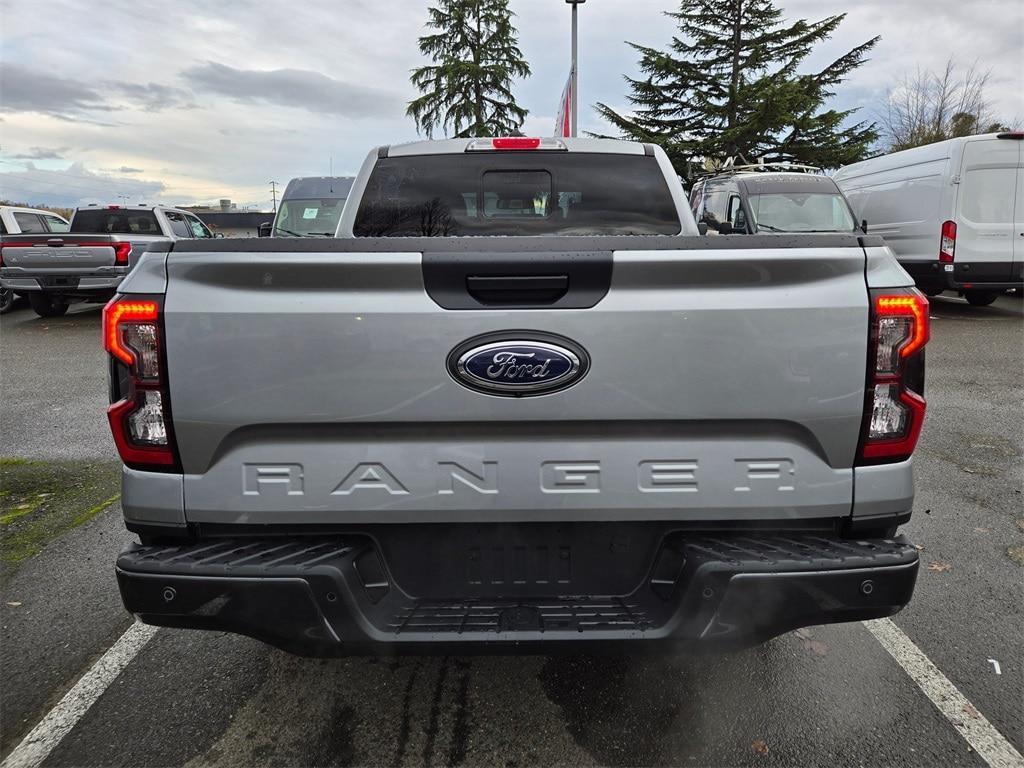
x=521, y=404
x=89, y=261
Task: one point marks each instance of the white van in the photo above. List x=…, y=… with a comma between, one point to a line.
x=953, y=212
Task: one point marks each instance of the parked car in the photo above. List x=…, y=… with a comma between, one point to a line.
x=770, y=198
x=518, y=403
x=952, y=212
x=17, y=221
x=90, y=259
x=310, y=207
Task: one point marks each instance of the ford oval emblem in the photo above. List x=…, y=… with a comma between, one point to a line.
x=518, y=364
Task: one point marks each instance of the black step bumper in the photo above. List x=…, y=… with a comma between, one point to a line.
x=335, y=595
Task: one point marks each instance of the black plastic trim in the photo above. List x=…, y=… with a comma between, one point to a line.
x=540, y=244
x=338, y=595
x=449, y=279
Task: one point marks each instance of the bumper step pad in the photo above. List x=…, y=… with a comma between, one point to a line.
x=334, y=595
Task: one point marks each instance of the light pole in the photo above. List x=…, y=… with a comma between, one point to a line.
x=574, y=86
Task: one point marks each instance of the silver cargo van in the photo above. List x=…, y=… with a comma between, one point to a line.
x=953, y=212
x=310, y=207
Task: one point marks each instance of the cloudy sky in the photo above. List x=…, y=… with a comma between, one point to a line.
x=194, y=100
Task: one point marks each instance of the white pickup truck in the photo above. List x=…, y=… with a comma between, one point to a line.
x=89, y=260
x=519, y=403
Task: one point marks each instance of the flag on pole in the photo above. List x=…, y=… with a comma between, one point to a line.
x=563, y=123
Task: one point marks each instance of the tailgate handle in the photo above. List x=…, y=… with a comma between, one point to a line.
x=55, y=242
x=517, y=289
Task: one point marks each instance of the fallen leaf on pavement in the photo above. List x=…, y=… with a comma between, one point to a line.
x=939, y=566
x=14, y=604
x=919, y=547
x=1016, y=554
x=760, y=747
x=970, y=711
x=1020, y=524
x=816, y=647
x=983, y=530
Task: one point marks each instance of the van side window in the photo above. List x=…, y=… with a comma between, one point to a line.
x=737, y=217
x=714, y=207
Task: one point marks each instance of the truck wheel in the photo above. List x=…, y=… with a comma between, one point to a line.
x=45, y=305
x=980, y=298
x=6, y=300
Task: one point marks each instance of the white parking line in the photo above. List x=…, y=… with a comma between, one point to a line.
x=989, y=743
x=59, y=721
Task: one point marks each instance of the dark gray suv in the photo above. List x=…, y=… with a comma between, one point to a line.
x=746, y=201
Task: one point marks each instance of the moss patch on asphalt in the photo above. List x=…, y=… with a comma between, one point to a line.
x=41, y=500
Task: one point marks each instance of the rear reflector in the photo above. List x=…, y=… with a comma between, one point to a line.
x=947, y=245
x=140, y=414
x=515, y=143
x=894, y=407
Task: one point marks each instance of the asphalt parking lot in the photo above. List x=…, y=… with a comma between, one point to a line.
x=825, y=696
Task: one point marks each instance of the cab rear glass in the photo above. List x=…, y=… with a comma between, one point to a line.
x=516, y=193
x=115, y=222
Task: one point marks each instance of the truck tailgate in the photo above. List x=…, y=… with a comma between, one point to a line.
x=724, y=383
x=35, y=252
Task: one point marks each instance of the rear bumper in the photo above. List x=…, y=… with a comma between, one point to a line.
x=966, y=276
x=76, y=281
x=336, y=595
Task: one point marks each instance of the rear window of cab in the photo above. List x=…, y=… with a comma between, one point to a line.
x=516, y=193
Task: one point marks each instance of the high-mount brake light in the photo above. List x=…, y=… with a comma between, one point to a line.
x=947, y=245
x=516, y=143
x=140, y=414
x=894, y=407
x=1015, y=135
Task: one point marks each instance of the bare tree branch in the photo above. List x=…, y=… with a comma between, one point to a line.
x=933, y=106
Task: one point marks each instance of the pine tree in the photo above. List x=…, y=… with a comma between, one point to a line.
x=729, y=85
x=467, y=91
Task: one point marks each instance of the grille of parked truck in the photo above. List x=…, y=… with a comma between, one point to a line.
x=89, y=260
x=517, y=403
x=952, y=212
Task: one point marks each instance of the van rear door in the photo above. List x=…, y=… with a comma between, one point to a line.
x=986, y=200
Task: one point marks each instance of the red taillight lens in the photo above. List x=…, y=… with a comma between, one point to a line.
x=140, y=416
x=121, y=252
x=123, y=315
x=515, y=142
x=947, y=245
x=894, y=407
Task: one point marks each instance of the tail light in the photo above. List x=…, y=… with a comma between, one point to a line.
x=894, y=405
x=139, y=413
x=947, y=245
